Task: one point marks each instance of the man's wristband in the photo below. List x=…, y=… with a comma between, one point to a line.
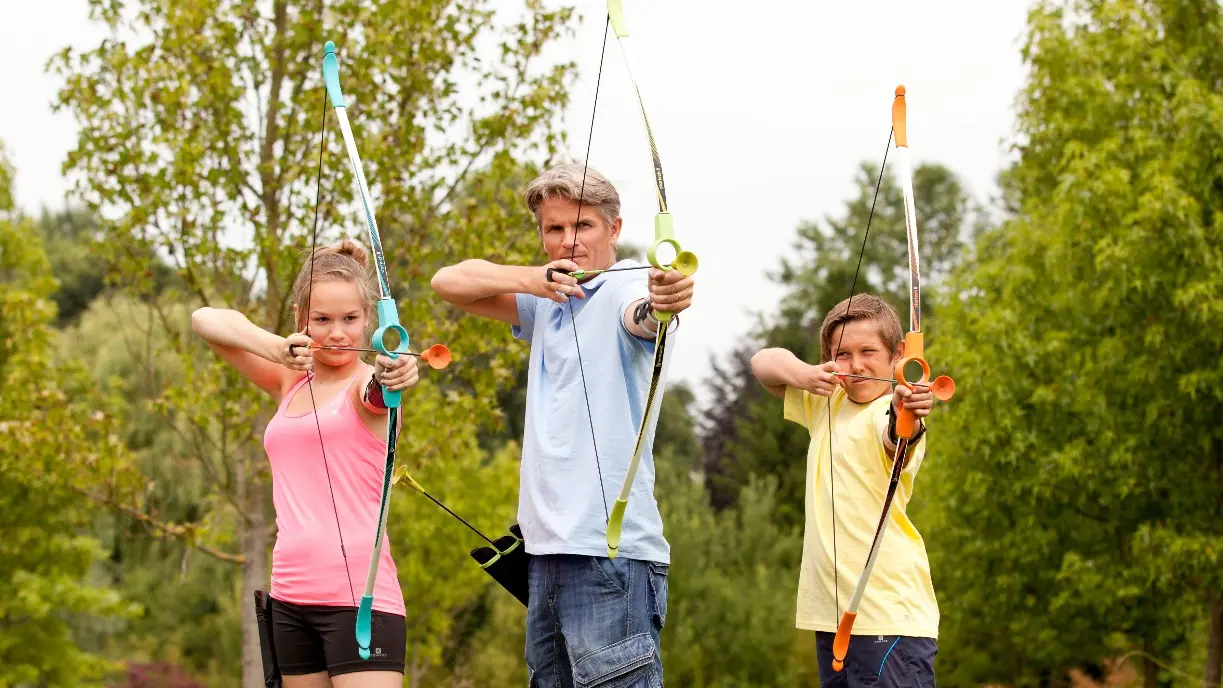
x=645, y=311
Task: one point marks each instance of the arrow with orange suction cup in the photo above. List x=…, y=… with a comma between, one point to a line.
x=437, y=356
x=942, y=386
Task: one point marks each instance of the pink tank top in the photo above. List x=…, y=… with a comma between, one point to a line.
x=307, y=565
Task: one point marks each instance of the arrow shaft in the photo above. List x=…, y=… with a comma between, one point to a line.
x=880, y=379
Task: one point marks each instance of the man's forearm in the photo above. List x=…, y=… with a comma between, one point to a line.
x=474, y=280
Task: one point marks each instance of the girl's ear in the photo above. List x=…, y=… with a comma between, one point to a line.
x=298, y=326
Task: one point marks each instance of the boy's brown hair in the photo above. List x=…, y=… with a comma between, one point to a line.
x=861, y=307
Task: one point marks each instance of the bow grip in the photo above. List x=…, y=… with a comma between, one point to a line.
x=906, y=420
x=684, y=262
x=388, y=318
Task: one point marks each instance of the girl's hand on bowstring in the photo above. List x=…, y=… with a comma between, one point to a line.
x=396, y=374
x=296, y=354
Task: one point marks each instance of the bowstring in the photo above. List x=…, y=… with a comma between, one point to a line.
x=836, y=578
x=573, y=252
x=310, y=376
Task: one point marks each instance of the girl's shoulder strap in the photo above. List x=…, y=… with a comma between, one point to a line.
x=288, y=396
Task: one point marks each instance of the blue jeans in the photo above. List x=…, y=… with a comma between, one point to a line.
x=594, y=621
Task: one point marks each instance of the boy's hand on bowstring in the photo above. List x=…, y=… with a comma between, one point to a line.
x=820, y=379
x=919, y=400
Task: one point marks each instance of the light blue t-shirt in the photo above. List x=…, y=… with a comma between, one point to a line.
x=560, y=507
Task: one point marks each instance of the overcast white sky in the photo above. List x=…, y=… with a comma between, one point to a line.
x=761, y=111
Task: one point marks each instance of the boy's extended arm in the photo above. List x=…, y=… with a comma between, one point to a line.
x=483, y=288
x=777, y=369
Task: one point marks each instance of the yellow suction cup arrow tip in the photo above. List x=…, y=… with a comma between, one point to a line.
x=437, y=356
x=900, y=91
x=685, y=263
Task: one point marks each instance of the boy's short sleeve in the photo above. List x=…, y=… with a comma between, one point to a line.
x=525, y=329
x=799, y=406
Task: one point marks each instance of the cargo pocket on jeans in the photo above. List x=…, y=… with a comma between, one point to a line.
x=618, y=665
x=658, y=593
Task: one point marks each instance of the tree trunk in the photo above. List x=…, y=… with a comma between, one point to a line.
x=1150, y=670
x=1214, y=642
x=1214, y=638
x=255, y=570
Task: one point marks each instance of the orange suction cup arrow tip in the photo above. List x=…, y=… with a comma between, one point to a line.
x=943, y=388
x=437, y=356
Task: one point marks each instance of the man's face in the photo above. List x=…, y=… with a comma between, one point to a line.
x=591, y=244
x=862, y=352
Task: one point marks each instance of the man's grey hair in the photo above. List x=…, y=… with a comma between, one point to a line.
x=566, y=181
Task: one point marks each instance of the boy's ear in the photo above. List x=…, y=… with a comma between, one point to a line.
x=900, y=351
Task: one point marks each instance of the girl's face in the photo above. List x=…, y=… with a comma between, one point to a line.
x=337, y=317
x=862, y=352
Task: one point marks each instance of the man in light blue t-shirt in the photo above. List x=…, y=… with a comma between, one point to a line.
x=589, y=617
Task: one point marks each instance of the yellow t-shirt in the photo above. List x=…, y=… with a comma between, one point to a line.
x=899, y=597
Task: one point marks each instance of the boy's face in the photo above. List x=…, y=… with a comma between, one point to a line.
x=862, y=352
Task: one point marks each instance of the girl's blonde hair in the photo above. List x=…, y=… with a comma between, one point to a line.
x=346, y=261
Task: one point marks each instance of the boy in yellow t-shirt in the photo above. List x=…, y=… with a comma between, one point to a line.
x=894, y=640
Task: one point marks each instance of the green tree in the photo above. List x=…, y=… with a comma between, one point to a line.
x=70, y=236
x=6, y=182
x=1080, y=472
x=200, y=140
x=46, y=415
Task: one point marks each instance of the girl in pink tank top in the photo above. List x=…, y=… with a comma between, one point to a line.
x=327, y=449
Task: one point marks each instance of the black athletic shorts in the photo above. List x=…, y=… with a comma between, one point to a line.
x=882, y=661
x=313, y=638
